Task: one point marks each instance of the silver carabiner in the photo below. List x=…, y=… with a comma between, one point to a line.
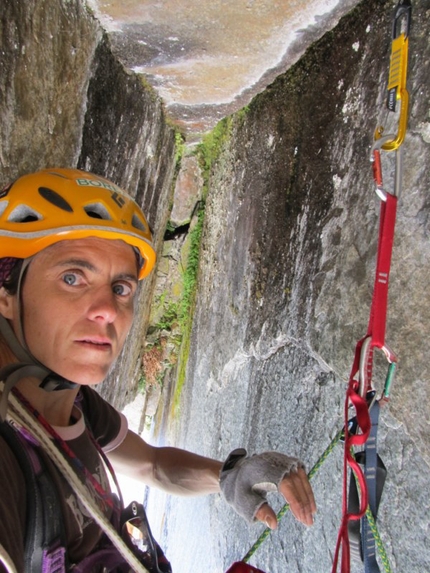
x=363, y=370
x=398, y=173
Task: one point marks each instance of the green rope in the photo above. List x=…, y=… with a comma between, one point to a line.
x=381, y=549
x=286, y=507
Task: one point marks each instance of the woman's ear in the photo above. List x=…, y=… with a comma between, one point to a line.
x=6, y=304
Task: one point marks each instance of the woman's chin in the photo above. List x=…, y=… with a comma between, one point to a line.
x=85, y=378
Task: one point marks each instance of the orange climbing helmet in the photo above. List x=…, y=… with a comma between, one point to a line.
x=52, y=205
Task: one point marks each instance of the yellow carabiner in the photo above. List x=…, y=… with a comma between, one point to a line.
x=397, y=76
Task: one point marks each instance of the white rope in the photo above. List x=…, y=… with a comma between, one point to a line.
x=6, y=560
x=18, y=415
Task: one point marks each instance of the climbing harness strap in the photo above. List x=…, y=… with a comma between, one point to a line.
x=370, y=472
x=106, y=497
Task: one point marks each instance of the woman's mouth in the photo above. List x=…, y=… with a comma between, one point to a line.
x=95, y=343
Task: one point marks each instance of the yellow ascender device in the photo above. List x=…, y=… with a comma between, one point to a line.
x=398, y=73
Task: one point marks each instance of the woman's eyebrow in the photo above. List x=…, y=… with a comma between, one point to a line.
x=83, y=263
x=128, y=277
x=78, y=263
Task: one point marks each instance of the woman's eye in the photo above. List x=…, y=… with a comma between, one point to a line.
x=122, y=289
x=70, y=278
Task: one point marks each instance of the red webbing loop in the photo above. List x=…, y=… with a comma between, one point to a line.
x=356, y=396
x=359, y=439
x=378, y=313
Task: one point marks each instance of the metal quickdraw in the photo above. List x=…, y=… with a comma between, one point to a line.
x=367, y=470
x=359, y=516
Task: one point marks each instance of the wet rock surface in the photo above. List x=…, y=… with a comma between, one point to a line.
x=208, y=59
x=286, y=280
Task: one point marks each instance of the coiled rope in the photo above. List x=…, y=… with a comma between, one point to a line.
x=18, y=416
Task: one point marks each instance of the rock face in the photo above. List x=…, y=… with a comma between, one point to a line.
x=66, y=101
x=47, y=50
x=188, y=192
x=286, y=280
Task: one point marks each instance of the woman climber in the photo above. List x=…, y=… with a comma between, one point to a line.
x=73, y=247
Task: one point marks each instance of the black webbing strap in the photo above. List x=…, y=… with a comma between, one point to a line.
x=370, y=472
x=362, y=540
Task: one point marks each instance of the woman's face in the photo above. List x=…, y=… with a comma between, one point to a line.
x=77, y=306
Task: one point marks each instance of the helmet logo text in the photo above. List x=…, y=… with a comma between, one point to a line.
x=117, y=195
x=118, y=199
x=97, y=183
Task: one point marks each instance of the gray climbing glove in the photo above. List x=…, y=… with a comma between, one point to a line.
x=245, y=481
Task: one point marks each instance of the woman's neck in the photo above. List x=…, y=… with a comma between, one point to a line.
x=56, y=407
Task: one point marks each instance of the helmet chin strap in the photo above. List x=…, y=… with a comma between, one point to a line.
x=27, y=364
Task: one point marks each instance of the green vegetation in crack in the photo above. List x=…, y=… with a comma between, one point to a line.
x=187, y=303
x=212, y=145
x=179, y=149
x=168, y=341
x=168, y=337
x=208, y=153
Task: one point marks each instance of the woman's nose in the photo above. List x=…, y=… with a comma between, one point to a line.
x=103, y=306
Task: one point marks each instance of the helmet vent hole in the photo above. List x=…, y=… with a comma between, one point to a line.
x=97, y=211
x=55, y=199
x=137, y=223
x=24, y=214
